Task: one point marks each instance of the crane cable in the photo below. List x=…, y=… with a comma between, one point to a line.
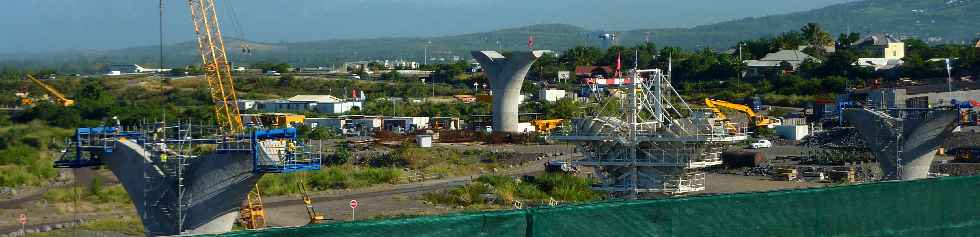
x=237, y=27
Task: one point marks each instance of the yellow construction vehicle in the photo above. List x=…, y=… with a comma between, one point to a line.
x=315, y=217
x=280, y=120
x=757, y=120
x=48, y=89
x=546, y=125
x=252, y=214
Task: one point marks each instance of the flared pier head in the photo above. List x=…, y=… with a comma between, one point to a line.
x=214, y=187
x=904, y=141
x=506, y=75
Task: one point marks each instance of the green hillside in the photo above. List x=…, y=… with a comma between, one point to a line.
x=937, y=21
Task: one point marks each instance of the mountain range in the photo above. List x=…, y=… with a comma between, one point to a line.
x=935, y=21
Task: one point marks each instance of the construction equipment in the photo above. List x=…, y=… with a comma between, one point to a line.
x=217, y=70
x=252, y=214
x=280, y=120
x=315, y=217
x=48, y=89
x=757, y=120
x=546, y=125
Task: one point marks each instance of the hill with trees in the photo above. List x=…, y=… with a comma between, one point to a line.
x=933, y=21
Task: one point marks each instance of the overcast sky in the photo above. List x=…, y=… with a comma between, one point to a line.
x=46, y=25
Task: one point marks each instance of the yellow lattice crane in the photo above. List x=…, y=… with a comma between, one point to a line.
x=217, y=71
x=215, y=65
x=48, y=89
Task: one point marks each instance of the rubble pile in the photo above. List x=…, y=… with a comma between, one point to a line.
x=837, y=138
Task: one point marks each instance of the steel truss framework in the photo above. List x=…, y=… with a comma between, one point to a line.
x=648, y=140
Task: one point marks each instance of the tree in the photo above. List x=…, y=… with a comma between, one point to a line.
x=581, y=56
x=392, y=75
x=846, y=40
x=814, y=34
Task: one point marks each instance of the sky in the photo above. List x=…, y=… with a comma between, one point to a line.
x=57, y=25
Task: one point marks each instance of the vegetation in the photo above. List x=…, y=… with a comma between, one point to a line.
x=125, y=226
x=334, y=177
x=27, y=152
x=489, y=192
x=96, y=193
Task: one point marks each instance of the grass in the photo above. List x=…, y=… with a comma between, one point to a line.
x=336, y=177
x=111, y=194
x=26, y=153
x=96, y=193
x=440, y=162
x=124, y=225
x=490, y=192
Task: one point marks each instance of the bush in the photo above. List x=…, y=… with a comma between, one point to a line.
x=561, y=187
x=378, y=175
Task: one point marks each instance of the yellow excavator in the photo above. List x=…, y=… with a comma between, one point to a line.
x=546, y=125
x=252, y=213
x=48, y=89
x=315, y=217
x=757, y=120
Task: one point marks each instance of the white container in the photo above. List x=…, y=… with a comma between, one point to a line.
x=424, y=141
x=793, y=132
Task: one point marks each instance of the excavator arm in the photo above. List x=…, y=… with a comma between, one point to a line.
x=757, y=119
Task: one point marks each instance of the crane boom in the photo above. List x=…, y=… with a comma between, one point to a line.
x=64, y=101
x=214, y=61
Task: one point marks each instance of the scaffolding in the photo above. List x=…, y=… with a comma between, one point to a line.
x=648, y=140
x=169, y=149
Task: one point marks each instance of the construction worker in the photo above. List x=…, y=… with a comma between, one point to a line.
x=163, y=157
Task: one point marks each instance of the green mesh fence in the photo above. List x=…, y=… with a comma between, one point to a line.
x=931, y=207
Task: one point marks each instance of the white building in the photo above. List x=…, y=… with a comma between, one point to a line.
x=775, y=61
x=878, y=63
x=122, y=69
x=551, y=95
x=406, y=123
x=314, y=103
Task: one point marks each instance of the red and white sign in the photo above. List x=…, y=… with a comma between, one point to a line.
x=23, y=219
x=353, y=204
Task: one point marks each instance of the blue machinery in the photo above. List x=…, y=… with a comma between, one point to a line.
x=273, y=150
x=282, y=144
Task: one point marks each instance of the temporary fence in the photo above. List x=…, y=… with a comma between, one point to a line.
x=930, y=207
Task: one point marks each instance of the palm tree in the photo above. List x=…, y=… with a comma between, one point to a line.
x=815, y=35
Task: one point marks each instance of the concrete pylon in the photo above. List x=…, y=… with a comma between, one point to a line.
x=214, y=187
x=506, y=77
x=914, y=136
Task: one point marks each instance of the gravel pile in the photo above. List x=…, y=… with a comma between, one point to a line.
x=837, y=138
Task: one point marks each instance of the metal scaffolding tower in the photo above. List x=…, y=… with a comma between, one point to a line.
x=643, y=138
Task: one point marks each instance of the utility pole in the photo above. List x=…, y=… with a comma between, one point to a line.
x=740, y=62
x=949, y=82
x=161, y=36
x=425, y=53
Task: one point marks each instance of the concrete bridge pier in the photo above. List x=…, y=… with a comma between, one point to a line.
x=214, y=187
x=904, y=141
x=506, y=77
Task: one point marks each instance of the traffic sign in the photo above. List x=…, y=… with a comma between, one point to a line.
x=23, y=219
x=353, y=204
